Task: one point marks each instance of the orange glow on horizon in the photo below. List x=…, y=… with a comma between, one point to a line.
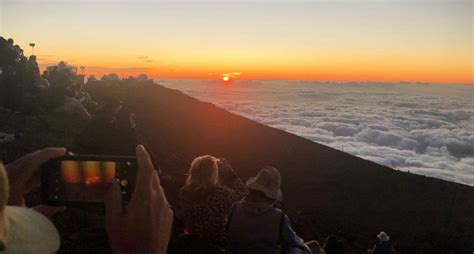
x=287, y=68
x=307, y=40
x=341, y=75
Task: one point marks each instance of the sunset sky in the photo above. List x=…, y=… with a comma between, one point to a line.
x=351, y=40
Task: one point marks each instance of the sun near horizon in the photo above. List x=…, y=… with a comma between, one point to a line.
x=386, y=41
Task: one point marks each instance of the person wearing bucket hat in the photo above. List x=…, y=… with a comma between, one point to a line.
x=383, y=245
x=256, y=226
x=268, y=181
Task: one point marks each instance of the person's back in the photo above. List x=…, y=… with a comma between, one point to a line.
x=383, y=248
x=255, y=227
x=205, y=214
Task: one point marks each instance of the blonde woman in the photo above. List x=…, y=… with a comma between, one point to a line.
x=206, y=197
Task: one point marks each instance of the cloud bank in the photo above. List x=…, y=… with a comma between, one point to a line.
x=424, y=129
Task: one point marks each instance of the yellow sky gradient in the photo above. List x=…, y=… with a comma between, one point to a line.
x=390, y=41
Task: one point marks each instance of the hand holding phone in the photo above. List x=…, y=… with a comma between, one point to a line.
x=144, y=225
x=24, y=173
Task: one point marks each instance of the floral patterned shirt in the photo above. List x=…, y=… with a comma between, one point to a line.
x=206, y=217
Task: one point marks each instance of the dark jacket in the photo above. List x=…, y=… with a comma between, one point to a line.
x=383, y=248
x=261, y=228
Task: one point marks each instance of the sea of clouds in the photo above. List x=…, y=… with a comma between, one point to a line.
x=421, y=128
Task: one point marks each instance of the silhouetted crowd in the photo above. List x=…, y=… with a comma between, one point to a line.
x=13, y=65
x=23, y=88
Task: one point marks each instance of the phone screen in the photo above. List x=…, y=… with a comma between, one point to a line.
x=77, y=180
x=86, y=180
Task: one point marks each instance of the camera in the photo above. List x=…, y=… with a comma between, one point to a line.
x=84, y=179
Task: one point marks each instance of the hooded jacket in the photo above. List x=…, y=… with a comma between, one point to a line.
x=258, y=227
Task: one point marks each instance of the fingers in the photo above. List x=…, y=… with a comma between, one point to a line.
x=33, y=162
x=156, y=182
x=113, y=203
x=145, y=167
x=164, y=235
x=47, y=154
x=159, y=192
x=144, y=182
x=165, y=223
x=164, y=220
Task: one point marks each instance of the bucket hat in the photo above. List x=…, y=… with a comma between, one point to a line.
x=383, y=237
x=268, y=181
x=24, y=230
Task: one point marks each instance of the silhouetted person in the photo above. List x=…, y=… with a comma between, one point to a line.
x=31, y=79
x=383, y=245
x=124, y=130
x=332, y=245
x=61, y=80
x=111, y=124
x=13, y=64
x=255, y=226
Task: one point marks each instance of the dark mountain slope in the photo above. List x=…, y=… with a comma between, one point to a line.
x=325, y=190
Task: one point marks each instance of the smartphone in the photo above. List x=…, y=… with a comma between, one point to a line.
x=84, y=179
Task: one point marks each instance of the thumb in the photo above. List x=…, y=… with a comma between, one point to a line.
x=113, y=203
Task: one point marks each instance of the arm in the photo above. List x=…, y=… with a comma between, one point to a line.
x=290, y=240
x=229, y=178
x=238, y=186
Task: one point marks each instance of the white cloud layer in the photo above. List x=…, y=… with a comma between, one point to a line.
x=426, y=129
